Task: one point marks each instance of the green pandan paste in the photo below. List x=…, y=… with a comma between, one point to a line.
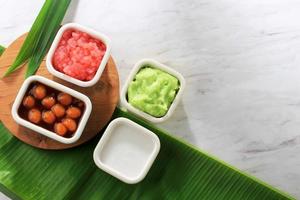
x=152, y=91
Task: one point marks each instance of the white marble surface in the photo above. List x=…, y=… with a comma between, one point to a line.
x=240, y=60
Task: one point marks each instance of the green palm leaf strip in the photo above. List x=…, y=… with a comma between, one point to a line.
x=54, y=19
x=40, y=36
x=179, y=172
x=31, y=39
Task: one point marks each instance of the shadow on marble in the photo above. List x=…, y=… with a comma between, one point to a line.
x=178, y=125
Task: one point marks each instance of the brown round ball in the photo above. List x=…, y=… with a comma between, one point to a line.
x=60, y=129
x=70, y=124
x=28, y=102
x=39, y=91
x=48, y=117
x=48, y=102
x=64, y=98
x=58, y=110
x=73, y=112
x=34, y=115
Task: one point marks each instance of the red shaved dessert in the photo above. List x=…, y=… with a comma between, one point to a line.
x=78, y=55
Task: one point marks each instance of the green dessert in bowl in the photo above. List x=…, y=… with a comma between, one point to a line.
x=152, y=90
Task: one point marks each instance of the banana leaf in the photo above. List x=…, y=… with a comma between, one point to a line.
x=179, y=172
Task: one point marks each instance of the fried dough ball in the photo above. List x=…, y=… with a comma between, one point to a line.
x=39, y=91
x=73, y=112
x=34, y=115
x=48, y=117
x=58, y=110
x=64, y=99
x=28, y=102
x=70, y=124
x=60, y=129
x=48, y=102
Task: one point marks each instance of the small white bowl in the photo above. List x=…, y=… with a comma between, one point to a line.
x=41, y=130
x=92, y=33
x=131, y=76
x=126, y=150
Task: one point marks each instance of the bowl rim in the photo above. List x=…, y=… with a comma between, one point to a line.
x=155, y=64
x=105, y=138
x=41, y=130
x=100, y=36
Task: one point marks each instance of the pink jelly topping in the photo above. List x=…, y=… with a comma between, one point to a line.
x=78, y=55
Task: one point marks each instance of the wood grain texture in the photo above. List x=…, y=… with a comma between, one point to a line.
x=104, y=97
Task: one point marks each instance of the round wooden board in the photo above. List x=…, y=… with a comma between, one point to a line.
x=104, y=97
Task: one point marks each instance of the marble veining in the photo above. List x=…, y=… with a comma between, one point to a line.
x=240, y=60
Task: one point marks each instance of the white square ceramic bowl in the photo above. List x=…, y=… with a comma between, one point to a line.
x=92, y=33
x=126, y=150
x=43, y=131
x=131, y=76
